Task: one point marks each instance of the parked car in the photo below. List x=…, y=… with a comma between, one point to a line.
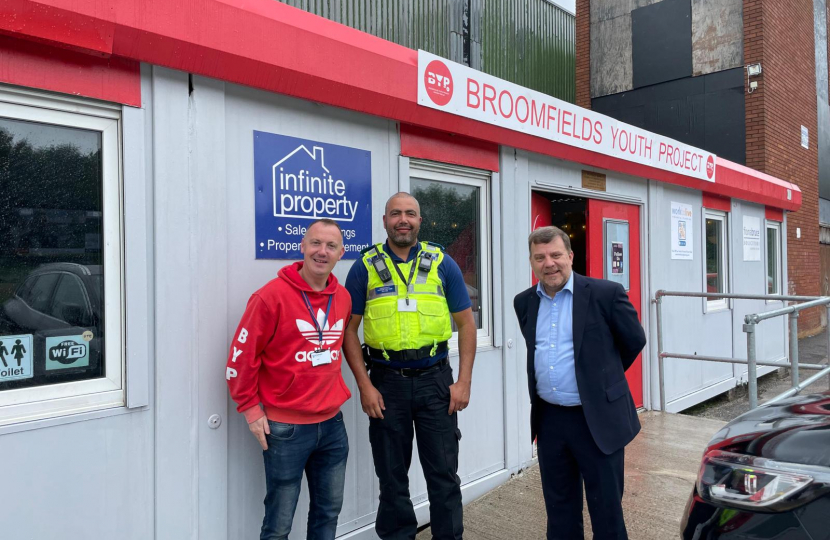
x=55, y=296
x=766, y=475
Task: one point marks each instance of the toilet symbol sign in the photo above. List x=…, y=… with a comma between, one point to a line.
x=15, y=357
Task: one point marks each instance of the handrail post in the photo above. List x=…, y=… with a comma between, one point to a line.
x=752, y=372
x=828, y=343
x=660, y=369
x=794, y=347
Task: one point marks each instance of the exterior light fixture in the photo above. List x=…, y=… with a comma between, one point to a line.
x=753, y=70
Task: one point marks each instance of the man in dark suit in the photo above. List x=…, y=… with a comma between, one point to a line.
x=581, y=334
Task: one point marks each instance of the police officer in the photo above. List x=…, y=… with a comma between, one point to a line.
x=407, y=293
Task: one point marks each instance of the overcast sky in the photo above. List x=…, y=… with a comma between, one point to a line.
x=570, y=5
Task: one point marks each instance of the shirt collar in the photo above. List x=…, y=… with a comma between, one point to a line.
x=569, y=286
x=412, y=252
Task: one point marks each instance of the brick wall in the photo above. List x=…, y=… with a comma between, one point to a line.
x=583, y=53
x=781, y=36
x=754, y=103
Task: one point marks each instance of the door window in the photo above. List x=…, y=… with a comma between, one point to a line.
x=455, y=215
x=717, y=277
x=773, y=258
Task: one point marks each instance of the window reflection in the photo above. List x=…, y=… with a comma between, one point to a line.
x=452, y=218
x=714, y=264
x=51, y=278
x=772, y=261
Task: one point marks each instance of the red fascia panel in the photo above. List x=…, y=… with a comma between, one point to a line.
x=278, y=48
x=31, y=64
x=774, y=214
x=65, y=28
x=424, y=143
x=716, y=202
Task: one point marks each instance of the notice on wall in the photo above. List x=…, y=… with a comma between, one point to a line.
x=458, y=89
x=752, y=238
x=15, y=357
x=805, y=137
x=593, y=180
x=682, y=232
x=298, y=181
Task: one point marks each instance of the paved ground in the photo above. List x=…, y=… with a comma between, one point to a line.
x=812, y=350
x=661, y=467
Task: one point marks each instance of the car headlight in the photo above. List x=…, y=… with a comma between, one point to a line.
x=759, y=484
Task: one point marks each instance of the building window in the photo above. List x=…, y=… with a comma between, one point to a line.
x=717, y=267
x=773, y=258
x=60, y=258
x=455, y=214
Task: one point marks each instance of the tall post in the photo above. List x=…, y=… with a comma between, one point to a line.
x=752, y=371
x=794, y=347
x=828, y=343
x=660, y=370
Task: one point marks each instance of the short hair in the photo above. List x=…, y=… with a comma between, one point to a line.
x=324, y=221
x=401, y=195
x=546, y=235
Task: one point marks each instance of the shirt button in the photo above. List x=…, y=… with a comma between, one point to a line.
x=554, y=389
x=552, y=346
x=554, y=326
x=552, y=368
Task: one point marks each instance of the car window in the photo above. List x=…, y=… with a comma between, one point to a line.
x=70, y=302
x=25, y=289
x=41, y=292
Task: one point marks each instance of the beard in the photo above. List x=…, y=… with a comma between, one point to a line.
x=402, y=239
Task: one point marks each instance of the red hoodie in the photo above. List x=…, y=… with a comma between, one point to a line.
x=269, y=359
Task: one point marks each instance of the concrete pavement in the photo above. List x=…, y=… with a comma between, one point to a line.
x=661, y=468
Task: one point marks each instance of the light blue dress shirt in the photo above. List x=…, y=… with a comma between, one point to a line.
x=554, y=359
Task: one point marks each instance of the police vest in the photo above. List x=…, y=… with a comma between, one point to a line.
x=388, y=328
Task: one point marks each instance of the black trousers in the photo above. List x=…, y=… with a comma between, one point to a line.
x=568, y=456
x=416, y=405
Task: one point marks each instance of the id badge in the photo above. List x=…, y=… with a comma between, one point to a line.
x=318, y=358
x=411, y=306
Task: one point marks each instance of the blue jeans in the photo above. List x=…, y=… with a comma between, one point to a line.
x=321, y=451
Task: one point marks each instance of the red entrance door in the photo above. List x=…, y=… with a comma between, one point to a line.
x=614, y=253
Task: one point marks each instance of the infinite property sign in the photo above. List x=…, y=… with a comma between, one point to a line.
x=298, y=181
x=458, y=89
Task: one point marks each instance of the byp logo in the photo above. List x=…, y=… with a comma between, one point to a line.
x=330, y=335
x=438, y=82
x=710, y=167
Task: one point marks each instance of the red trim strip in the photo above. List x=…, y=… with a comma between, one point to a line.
x=278, y=48
x=26, y=63
x=774, y=214
x=716, y=202
x=424, y=143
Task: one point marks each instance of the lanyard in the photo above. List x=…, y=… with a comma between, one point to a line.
x=314, y=319
x=411, y=273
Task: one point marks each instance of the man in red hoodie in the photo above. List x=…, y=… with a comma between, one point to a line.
x=283, y=372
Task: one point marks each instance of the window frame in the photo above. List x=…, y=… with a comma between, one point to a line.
x=779, y=259
x=464, y=176
x=719, y=304
x=50, y=401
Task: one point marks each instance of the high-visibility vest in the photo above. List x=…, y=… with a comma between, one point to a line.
x=387, y=328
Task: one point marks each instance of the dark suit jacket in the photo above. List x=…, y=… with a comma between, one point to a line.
x=607, y=338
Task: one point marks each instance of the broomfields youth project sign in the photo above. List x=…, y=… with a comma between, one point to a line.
x=460, y=90
x=298, y=181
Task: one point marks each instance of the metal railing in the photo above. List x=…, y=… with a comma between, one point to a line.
x=751, y=321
